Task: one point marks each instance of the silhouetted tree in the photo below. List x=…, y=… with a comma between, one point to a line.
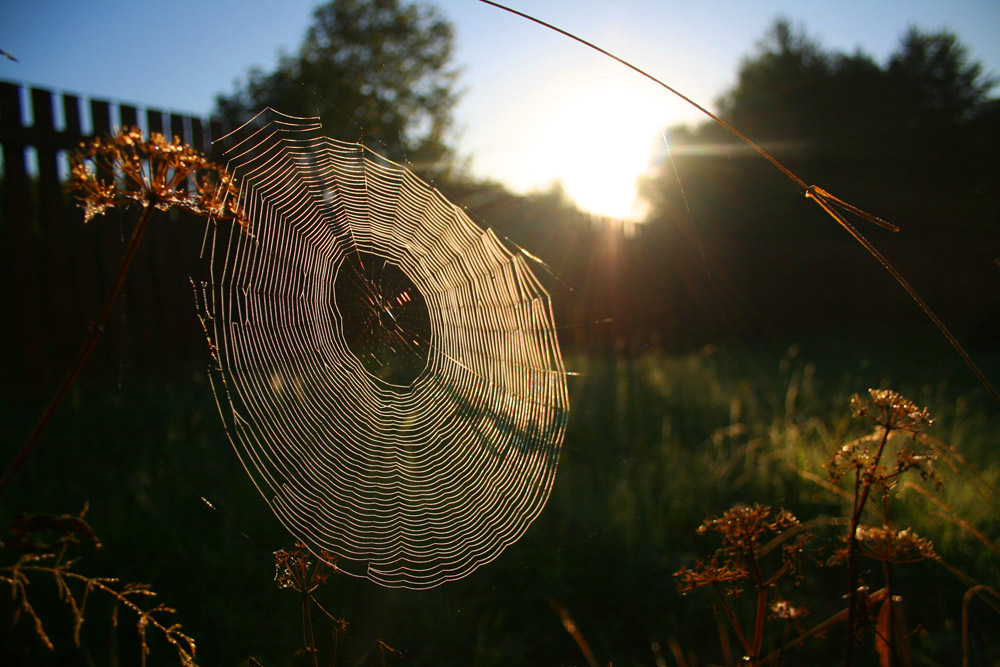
x=779, y=87
x=933, y=80
x=918, y=124
x=378, y=71
x=915, y=139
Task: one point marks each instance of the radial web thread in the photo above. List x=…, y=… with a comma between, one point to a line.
x=387, y=371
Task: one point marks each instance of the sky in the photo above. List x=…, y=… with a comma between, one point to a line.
x=537, y=108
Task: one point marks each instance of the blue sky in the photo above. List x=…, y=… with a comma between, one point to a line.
x=537, y=107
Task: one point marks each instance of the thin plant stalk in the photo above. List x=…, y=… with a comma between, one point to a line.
x=889, y=629
x=966, y=599
x=820, y=628
x=758, y=631
x=761, y=609
x=90, y=342
x=862, y=487
x=308, y=627
x=157, y=174
x=732, y=619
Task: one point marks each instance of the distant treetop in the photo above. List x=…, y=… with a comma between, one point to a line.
x=376, y=71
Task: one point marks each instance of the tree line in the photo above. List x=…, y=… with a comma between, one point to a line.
x=731, y=250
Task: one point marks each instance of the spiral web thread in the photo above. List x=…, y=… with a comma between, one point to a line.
x=410, y=484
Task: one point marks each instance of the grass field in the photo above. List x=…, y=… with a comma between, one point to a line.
x=656, y=443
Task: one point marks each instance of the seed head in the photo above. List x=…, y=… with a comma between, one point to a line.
x=886, y=544
x=889, y=410
x=743, y=526
x=128, y=169
x=710, y=572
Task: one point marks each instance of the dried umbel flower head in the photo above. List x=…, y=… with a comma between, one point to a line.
x=293, y=568
x=728, y=575
x=129, y=169
x=891, y=414
x=891, y=411
x=743, y=529
x=889, y=545
x=743, y=526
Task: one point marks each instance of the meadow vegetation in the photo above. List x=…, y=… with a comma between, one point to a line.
x=657, y=444
x=713, y=414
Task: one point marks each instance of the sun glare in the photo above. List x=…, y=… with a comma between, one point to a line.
x=599, y=141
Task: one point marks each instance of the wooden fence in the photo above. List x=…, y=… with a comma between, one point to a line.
x=55, y=271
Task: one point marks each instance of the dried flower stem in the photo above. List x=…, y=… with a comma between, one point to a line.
x=839, y=617
x=966, y=599
x=309, y=637
x=862, y=487
x=95, y=330
x=732, y=618
x=761, y=615
x=571, y=628
x=16, y=576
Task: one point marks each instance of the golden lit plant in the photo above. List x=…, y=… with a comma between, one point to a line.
x=298, y=570
x=41, y=545
x=862, y=465
x=870, y=467
x=750, y=534
x=154, y=174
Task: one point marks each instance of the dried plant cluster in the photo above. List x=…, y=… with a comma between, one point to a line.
x=42, y=545
x=297, y=569
x=745, y=559
x=121, y=170
x=157, y=174
x=872, y=466
x=153, y=172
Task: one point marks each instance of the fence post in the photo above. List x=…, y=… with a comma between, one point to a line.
x=129, y=116
x=154, y=121
x=25, y=321
x=56, y=303
x=86, y=286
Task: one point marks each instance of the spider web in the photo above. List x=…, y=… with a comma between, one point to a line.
x=387, y=371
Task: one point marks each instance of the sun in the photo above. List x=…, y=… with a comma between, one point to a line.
x=598, y=142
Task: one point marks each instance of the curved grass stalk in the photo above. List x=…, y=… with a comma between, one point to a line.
x=966, y=600
x=824, y=199
x=839, y=617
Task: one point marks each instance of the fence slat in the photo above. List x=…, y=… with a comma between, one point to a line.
x=13, y=135
x=71, y=116
x=154, y=120
x=53, y=255
x=108, y=233
x=48, y=173
x=177, y=128
x=197, y=134
x=84, y=279
x=21, y=244
x=129, y=116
